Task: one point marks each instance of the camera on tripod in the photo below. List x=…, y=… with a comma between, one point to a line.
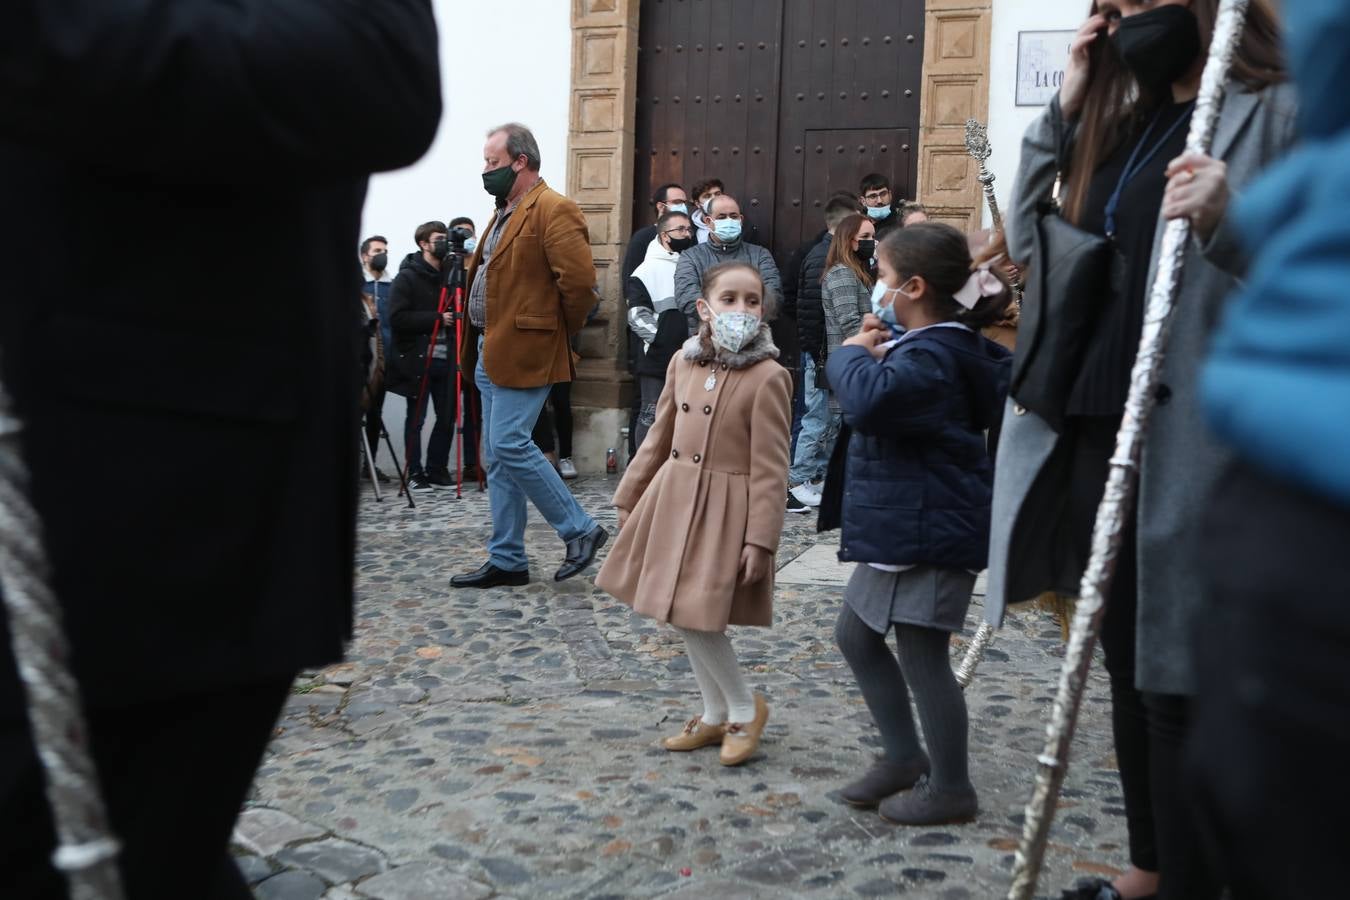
x=453, y=242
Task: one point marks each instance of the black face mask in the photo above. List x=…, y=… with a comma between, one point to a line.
x=378, y=262
x=866, y=247
x=679, y=245
x=440, y=248
x=1158, y=46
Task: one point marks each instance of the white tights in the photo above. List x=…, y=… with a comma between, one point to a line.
x=726, y=696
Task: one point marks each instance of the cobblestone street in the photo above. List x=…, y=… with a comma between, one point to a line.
x=504, y=743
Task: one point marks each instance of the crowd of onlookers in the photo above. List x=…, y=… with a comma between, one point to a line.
x=402, y=314
x=824, y=289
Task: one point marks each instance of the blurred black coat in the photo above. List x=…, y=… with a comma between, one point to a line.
x=192, y=434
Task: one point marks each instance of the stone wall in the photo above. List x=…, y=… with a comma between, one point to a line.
x=599, y=175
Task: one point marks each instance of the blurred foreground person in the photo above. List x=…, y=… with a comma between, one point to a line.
x=206, y=555
x=1272, y=725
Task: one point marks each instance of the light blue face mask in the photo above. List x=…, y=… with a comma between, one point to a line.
x=884, y=313
x=727, y=229
x=879, y=212
x=470, y=244
x=677, y=207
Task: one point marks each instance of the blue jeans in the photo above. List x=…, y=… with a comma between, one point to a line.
x=819, y=429
x=517, y=470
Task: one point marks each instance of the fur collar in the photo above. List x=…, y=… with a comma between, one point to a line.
x=700, y=347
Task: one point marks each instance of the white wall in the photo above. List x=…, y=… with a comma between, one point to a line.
x=1007, y=120
x=525, y=77
x=484, y=82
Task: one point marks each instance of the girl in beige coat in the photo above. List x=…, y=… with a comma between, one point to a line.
x=701, y=505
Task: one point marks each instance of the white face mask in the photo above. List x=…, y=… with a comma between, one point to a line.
x=733, y=330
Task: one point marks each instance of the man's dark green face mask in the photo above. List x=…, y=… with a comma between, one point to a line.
x=499, y=182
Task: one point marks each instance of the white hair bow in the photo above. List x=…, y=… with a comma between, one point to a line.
x=981, y=283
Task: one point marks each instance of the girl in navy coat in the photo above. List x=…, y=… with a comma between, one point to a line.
x=910, y=484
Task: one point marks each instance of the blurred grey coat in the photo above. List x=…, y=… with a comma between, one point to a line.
x=1181, y=461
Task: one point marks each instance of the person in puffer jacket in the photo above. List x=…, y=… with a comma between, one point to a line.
x=910, y=484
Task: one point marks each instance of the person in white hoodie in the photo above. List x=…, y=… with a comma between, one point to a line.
x=654, y=314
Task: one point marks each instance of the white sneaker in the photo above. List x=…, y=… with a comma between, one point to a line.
x=805, y=494
x=566, y=469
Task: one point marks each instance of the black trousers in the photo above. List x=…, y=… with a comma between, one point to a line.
x=374, y=417
x=556, y=413
x=1272, y=723
x=174, y=774
x=1150, y=730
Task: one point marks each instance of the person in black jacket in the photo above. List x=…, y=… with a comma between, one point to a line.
x=787, y=313
x=414, y=310
x=667, y=198
x=192, y=598
x=812, y=453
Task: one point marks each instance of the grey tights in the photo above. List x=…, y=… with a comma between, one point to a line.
x=924, y=669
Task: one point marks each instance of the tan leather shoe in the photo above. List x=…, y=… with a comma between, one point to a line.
x=742, y=738
x=695, y=735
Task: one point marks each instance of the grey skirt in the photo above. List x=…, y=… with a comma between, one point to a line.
x=930, y=596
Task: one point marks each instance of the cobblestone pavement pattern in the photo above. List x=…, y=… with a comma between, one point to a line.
x=503, y=743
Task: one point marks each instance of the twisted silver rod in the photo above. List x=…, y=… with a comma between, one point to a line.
x=977, y=145
x=1123, y=481
x=86, y=852
x=965, y=673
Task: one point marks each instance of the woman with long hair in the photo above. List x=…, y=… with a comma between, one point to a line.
x=845, y=297
x=1125, y=106
x=846, y=286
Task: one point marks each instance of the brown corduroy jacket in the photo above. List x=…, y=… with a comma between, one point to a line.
x=540, y=288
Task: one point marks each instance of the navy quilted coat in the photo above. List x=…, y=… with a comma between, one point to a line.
x=911, y=479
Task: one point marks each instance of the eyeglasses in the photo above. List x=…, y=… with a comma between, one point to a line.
x=877, y=195
x=682, y=230
x=736, y=216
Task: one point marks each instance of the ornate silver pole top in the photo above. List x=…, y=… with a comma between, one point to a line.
x=977, y=144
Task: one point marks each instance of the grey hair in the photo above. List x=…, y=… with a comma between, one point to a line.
x=520, y=142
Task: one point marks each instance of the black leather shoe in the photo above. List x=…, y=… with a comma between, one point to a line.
x=490, y=576
x=581, y=552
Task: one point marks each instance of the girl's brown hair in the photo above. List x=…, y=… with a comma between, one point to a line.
x=841, y=249
x=940, y=255
x=1114, y=99
x=767, y=298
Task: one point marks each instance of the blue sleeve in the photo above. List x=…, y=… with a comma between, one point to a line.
x=906, y=393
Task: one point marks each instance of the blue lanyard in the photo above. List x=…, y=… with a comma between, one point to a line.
x=1132, y=168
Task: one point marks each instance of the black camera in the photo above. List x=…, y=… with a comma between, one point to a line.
x=452, y=242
